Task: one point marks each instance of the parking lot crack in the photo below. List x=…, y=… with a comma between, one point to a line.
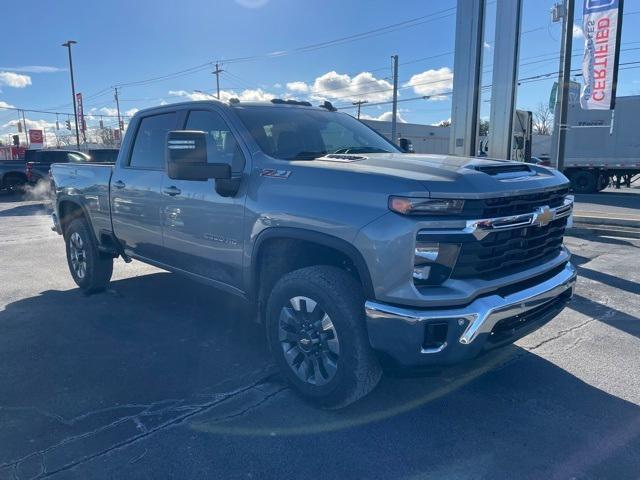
x=188, y=411
x=561, y=333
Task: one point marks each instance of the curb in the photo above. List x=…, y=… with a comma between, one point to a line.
x=603, y=231
x=625, y=223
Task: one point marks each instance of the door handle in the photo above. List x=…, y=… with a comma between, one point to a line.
x=119, y=184
x=172, y=191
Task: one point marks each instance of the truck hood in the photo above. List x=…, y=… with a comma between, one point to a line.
x=451, y=176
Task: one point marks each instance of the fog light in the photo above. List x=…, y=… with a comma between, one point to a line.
x=422, y=272
x=428, y=251
x=433, y=262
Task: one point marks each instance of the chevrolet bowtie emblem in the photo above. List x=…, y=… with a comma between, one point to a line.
x=542, y=216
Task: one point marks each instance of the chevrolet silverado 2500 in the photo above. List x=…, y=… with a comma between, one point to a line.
x=351, y=251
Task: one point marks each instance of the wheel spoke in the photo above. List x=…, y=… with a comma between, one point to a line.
x=288, y=316
x=288, y=336
x=333, y=345
x=330, y=365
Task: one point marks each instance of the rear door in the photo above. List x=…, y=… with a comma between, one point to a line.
x=136, y=198
x=203, y=229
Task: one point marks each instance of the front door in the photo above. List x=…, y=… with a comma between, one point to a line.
x=203, y=230
x=136, y=189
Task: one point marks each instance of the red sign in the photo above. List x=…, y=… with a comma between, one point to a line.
x=81, y=123
x=36, y=138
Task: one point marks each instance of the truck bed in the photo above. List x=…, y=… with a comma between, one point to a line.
x=89, y=182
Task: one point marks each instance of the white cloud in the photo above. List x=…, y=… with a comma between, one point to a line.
x=34, y=69
x=108, y=111
x=131, y=112
x=432, y=83
x=383, y=117
x=577, y=31
x=252, y=3
x=6, y=105
x=299, y=87
x=14, y=80
x=31, y=124
x=363, y=86
x=277, y=85
x=249, y=95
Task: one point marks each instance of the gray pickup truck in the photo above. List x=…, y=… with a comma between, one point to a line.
x=353, y=253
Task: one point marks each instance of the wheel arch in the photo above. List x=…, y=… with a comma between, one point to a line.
x=287, y=238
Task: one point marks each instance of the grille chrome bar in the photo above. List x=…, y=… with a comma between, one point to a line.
x=541, y=216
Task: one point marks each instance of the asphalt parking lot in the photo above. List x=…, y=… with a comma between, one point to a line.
x=160, y=377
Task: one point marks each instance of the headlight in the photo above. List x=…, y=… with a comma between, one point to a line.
x=425, y=206
x=433, y=262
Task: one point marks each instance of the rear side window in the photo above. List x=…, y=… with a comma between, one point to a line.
x=149, y=144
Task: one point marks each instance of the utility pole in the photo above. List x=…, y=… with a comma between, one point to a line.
x=118, y=108
x=359, y=103
x=217, y=73
x=564, y=81
x=68, y=44
x=394, y=112
x=24, y=126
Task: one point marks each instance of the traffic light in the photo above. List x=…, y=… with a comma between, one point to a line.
x=68, y=124
x=121, y=124
x=16, y=140
x=101, y=124
x=19, y=127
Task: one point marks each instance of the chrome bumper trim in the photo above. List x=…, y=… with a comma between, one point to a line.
x=540, y=217
x=483, y=313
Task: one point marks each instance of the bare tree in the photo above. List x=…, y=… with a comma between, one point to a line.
x=543, y=124
x=106, y=136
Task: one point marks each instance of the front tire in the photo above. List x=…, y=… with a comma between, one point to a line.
x=317, y=335
x=90, y=269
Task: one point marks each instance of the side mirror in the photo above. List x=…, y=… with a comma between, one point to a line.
x=187, y=157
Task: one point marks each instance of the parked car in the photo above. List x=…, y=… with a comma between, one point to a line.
x=350, y=250
x=103, y=155
x=12, y=175
x=38, y=162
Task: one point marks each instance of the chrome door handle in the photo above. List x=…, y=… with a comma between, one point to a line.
x=172, y=191
x=119, y=184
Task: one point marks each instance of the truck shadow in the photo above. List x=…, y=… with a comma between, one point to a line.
x=26, y=210
x=159, y=338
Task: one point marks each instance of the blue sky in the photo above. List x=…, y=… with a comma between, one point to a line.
x=121, y=42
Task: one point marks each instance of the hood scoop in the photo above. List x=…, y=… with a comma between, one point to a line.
x=342, y=157
x=506, y=171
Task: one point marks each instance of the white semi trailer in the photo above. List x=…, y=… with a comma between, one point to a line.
x=596, y=153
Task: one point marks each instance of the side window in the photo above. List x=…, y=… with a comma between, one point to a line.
x=149, y=144
x=222, y=146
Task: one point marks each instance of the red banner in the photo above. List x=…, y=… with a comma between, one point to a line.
x=81, y=123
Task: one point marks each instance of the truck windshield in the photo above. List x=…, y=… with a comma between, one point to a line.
x=304, y=134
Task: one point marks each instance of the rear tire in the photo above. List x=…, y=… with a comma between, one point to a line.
x=15, y=184
x=90, y=269
x=584, y=181
x=317, y=335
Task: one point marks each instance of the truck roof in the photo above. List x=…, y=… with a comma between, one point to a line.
x=274, y=103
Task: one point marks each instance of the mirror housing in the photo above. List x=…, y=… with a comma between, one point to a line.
x=187, y=157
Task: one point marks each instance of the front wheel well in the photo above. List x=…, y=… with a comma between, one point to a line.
x=278, y=256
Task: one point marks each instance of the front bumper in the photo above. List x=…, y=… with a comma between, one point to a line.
x=490, y=321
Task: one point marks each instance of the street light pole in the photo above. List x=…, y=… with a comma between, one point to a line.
x=68, y=44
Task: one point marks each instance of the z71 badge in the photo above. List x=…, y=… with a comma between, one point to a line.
x=274, y=173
